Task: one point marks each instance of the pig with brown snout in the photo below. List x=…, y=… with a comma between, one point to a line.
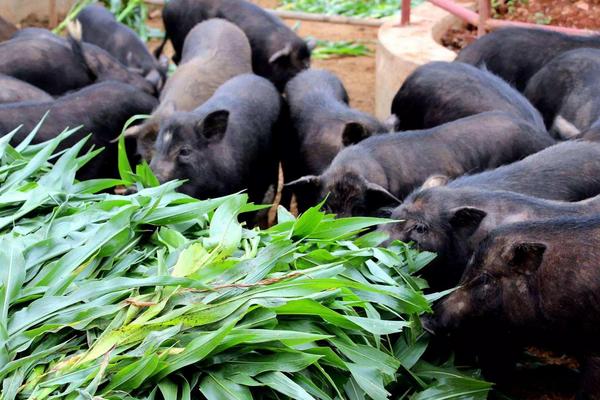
x=226, y=145
x=381, y=170
x=451, y=222
x=530, y=283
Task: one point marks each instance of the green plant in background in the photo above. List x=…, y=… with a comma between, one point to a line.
x=542, y=19
x=158, y=295
x=344, y=48
x=509, y=5
x=132, y=13
x=349, y=8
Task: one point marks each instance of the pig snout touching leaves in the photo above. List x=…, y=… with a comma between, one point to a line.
x=439, y=92
x=383, y=169
x=226, y=145
x=567, y=92
x=532, y=283
x=452, y=222
x=522, y=54
x=277, y=52
x=100, y=27
x=214, y=52
x=322, y=124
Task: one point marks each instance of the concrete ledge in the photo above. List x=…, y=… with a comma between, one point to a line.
x=16, y=11
x=402, y=49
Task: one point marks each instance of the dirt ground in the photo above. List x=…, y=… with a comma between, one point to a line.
x=357, y=73
x=583, y=14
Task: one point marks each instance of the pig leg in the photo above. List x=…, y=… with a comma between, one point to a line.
x=590, y=381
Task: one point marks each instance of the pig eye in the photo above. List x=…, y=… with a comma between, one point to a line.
x=420, y=229
x=185, y=152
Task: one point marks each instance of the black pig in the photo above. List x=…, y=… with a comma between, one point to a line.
x=452, y=223
x=439, y=92
x=214, y=52
x=532, y=283
x=323, y=123
x=56, y=66
x=382, y=169
x=100, y=27
x=516, y=54
x=567, y=92
x=13, y=90
x=226, y=145
x=277, y=52
x=102, y=109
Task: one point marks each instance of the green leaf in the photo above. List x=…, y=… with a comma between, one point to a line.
x=282, y=384
x=217, y=387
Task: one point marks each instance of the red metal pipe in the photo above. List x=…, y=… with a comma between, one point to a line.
x=461, y=12
x=405, y=16
x=484, y=16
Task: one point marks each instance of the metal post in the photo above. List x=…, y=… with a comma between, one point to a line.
x=53, y=15
x=484, y=15
x=405, y=13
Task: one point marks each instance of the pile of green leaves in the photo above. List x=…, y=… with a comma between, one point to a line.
x=158, y=295
x=348, y=8
x=326, y=49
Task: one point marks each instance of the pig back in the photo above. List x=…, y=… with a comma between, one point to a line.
x=475, y=143
x=568, y=171
x=216, y=52
x=44, y=63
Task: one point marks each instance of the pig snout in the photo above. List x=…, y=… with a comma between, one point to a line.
x=439, y=324
x=163, y=170
x=447, y=316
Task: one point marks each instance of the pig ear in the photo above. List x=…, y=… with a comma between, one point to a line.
x=304, y=182
x=308, y=187
x=353, y=133
x=285, y=52
x=526, y=257
x=434, y=181
x=311, y=44
x=214, y=125
x=466, y=220
x=392, y=123
x=378, y=197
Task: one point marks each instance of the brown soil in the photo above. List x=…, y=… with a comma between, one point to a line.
x=357, y=73
x=582, y=14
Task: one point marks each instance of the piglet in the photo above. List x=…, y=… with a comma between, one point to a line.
x=226, y=145
x=214, y=52
x=531, y=283
x=439, y=92
x=383, y=169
